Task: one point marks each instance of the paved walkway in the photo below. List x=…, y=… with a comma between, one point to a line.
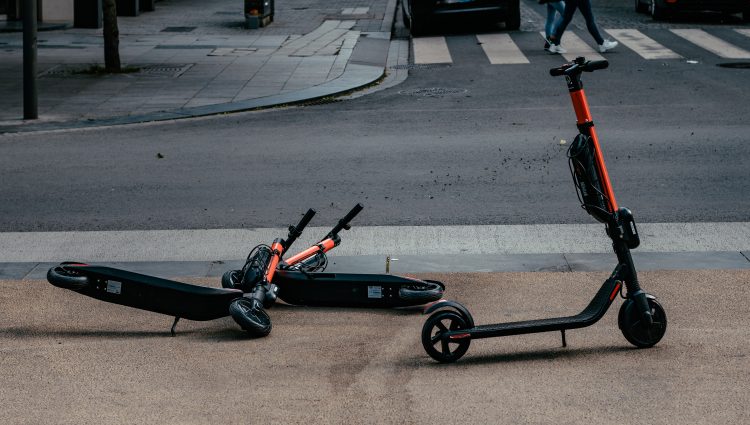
x=197, y=58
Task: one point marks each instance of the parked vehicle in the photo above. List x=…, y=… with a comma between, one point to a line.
x=661, y=9
x=419, y=13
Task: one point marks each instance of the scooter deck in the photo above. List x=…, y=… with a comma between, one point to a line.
x=349, y=289
x=155, y=294
x=590, y=315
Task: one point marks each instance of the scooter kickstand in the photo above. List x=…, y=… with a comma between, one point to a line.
x=174, y=325
x=565, y=344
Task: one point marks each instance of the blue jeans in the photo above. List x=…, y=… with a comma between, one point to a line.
x=570, y=9
x=552, y=9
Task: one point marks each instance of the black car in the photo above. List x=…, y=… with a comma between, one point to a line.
x=660, y=9
x=417, y=13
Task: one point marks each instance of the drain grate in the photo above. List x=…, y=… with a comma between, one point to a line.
x=735, y=65
x=422, y=66
x=178, y=29
x=170, y=70
x=433, y=92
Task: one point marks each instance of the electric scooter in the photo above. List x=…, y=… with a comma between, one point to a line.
x=300, y=279
x=448, y=332
x=177, y=299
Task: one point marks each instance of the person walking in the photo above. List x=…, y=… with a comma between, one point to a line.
x=555, y=9
x=570, y=10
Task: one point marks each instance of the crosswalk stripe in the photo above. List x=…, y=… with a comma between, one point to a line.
x=500, y=49
x=431, y=50
x=577, y=47
x=713, y=44
x=646, y=47
x=744, y=31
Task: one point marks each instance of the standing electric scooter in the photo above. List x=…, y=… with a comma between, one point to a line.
x=449, y=330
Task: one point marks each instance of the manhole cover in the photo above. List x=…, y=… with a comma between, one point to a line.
x=422, y=66
x=735, y=65
x=178, y=29
x=433, y=92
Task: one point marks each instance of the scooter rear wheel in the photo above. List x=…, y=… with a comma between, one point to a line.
x=250, y=315
x=422, y=292
x=637, y=332
x=67, y=278
x=441, y=349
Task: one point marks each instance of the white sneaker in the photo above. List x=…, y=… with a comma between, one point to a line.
x=556, y=48
x=607, y=45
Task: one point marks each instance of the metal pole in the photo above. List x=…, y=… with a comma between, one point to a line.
x=30, y=109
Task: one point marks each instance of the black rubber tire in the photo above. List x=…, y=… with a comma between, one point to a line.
x=639, y=335
x=641, y=7
x=417, y=26
x=657, y=12
x=513, y=18
x=421, y=293
x=230, y=279
x=67, y=278
x=436, y=322
x=407, y=21
x=250, y=315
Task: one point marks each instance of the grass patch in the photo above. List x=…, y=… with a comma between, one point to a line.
x=100, y=70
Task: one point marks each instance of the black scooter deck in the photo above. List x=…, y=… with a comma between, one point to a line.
x=155, y=294
x=590, y=315
x=347, y=289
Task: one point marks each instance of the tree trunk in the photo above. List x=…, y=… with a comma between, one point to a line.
x=111, y=36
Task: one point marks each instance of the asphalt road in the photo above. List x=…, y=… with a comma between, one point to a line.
x=674, y=137
x=69, y=359
x=471, y=143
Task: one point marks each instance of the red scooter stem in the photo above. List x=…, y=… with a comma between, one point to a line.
x=583, y=118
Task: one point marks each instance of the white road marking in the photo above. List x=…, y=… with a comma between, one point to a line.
x=431, y=50
x=577, y=47
x=355, y=10
x=645, y=46
x=500, y=49
x=713, y=44
x=743, y=31
x=234, y=244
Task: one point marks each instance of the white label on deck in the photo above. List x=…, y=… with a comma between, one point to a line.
x=114, y=287
x=374, y=292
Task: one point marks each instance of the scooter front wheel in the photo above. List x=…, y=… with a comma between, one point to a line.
x=635, y=330
x=66, y=277
x=231, y=279
x=441, y=348
x=250, y=315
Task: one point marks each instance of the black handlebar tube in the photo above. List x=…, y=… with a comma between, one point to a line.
x=572, y=71
x=343, y=224
x=296, y=231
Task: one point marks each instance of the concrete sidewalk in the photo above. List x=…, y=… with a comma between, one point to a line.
x=70, y=359
x=196, y=58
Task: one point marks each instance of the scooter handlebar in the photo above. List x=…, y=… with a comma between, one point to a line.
x=577, y=66
x=296, y=231
x=343, y=224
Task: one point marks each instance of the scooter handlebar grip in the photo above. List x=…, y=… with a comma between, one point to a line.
x=595, y=65
x=556, y=72
x=305, y=220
